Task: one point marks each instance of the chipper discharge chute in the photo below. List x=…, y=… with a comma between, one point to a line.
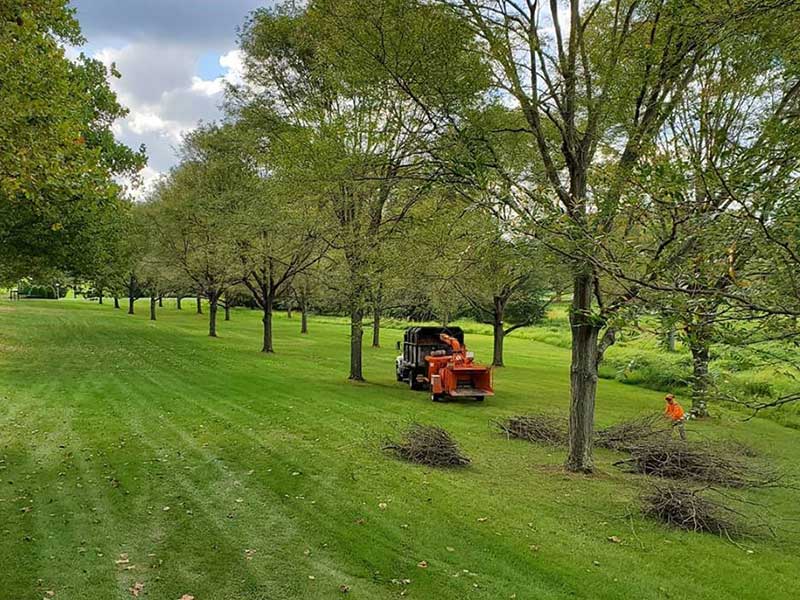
x=435, y=358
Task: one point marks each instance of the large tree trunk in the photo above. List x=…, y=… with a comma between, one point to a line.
x=161, y=302
x=227, y=311
x=701, y=378
x=116, y=301
x=100, y=298
x=583, y=376
x=356, y=335
x=199, y=305
x=131, y=293
x=267, y=321
x=499, y=332
x=152, y=308
x=376, y=327
x=178, y=299
x=303, y=317
x=212, y=314
x=499, y=337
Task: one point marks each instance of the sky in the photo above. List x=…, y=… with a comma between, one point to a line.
x=174, y=57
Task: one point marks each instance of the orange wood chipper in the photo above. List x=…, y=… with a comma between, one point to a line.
x=435, y=359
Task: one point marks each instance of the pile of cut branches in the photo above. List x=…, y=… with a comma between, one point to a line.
x=542, y=429
x=427, y=445
x=697, y=461
x=628, y=434
x=685, y=508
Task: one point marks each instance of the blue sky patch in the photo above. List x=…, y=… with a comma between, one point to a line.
x=208, y=66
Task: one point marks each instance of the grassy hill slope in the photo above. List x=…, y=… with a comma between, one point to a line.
x=145, y=452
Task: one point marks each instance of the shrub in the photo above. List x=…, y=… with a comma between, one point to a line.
x=652, y=370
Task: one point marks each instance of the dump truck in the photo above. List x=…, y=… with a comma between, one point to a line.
x=435, y=359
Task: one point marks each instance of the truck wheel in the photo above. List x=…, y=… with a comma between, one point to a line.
x=437, y=397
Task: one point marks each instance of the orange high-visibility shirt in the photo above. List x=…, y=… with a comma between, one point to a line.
x=674, y=411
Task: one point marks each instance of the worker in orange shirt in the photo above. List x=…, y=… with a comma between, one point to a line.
x=674, y=411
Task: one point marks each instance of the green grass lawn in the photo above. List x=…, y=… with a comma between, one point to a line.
x=145, y=452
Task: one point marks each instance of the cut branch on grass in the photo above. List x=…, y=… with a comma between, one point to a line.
x=685, y=508
x=702, y=462
x=541, y=429
x=634, y=432
x=427, y=445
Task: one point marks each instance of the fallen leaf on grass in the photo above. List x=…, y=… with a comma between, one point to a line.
x=423, y=564
x=186, y=597
x=136, y=589
x=614, y=539
x=344, y=588
x=383, y=506
x=483, y=519
x=249, y=553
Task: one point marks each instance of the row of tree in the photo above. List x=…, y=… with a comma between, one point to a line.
x=419, y=156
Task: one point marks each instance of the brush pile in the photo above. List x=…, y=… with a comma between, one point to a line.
x=704, y=462
x=541, y=429
x=427, y=445
x=685, y=508
x=626, y=435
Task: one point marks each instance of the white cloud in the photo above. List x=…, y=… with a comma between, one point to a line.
x=208, y=87
x=233, y=61
x=144, y=122
x=162, y=49
x=165, y=97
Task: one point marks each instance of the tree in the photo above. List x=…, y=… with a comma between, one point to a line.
x=594, y=87
x=350, y=139
x=58, y=155
x=281, y=241
x=707, y=152
x=503, y=284
x=195, y=211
